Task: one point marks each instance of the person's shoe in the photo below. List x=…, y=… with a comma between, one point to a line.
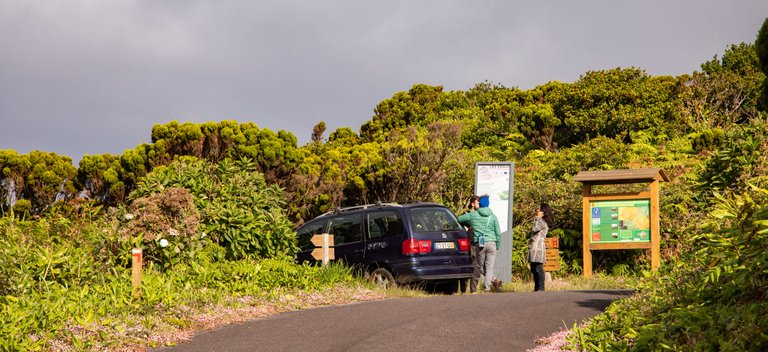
x=497, y=285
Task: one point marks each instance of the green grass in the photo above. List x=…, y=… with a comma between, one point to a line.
x=575, y=283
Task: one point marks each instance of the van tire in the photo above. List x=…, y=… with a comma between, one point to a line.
x=383, y=278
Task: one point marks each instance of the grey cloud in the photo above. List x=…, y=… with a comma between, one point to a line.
x=82, y=77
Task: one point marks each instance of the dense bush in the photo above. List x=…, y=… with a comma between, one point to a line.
x=744, y=157
x=238, y=210
x=165, y=225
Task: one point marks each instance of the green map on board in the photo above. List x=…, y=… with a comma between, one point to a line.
x=620, y=221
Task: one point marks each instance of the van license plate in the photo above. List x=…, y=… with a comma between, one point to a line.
x=444, y=245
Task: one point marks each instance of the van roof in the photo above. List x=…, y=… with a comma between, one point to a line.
x=375, y=206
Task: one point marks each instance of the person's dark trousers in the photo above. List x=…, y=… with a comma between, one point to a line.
x=537, y=269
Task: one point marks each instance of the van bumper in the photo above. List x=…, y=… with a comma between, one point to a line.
x=419, y=269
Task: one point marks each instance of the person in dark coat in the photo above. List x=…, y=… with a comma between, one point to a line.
x=537, y=252
x=472, y=205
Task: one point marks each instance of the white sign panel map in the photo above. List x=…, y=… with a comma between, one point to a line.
x=496, y=179
x=493, y=180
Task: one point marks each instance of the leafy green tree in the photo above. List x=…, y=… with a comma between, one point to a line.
x=318, y=131
x=39, y=177
x=492, y=117
x=13, y=168
x=91, y=176
x=414, y=162
x=761, y=47
x=22, y=208
x=176, y=139
x=420, y=106
x=727, y=92
x=537, y=116
x=275, y=153
x=110, y=179
x=344, y=135
x=331, y=175
x=615, y=103
x=52, y=177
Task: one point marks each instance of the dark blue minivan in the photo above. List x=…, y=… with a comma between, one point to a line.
x=395, y=244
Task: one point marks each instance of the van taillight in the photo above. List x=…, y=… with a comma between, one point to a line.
x=463, y=244
x=414, y=246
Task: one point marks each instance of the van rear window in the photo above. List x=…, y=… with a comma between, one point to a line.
x=432, y=219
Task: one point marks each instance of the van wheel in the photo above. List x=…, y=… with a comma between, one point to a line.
x=382, y=278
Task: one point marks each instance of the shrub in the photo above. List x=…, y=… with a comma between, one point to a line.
x=238, y=209
x=22, y=208
x=708, y=139
x=166, y=226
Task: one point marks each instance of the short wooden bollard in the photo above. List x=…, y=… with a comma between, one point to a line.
x=136, y=272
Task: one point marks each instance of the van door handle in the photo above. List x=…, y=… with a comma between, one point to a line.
x=447, y=261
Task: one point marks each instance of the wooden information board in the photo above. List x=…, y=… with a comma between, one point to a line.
x=617, y=221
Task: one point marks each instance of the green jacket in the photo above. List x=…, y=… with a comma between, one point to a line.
x=484, y=223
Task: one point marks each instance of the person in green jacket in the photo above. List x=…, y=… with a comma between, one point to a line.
x=487, y=239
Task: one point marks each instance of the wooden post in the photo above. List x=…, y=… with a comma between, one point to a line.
x=323, y=247
x=136, y=264
x=586, y=236
x=655, y=235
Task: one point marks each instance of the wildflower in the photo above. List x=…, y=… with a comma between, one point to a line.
x=128, y=216
x=163, y=243
x=203, y=235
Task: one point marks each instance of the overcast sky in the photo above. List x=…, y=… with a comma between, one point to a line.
x=91, y=77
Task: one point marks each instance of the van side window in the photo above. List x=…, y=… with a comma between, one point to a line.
x=384, y=224
x=305, y=234
x=346, y=229
x=432, y=219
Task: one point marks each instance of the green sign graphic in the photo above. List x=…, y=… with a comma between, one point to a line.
x=620, y=221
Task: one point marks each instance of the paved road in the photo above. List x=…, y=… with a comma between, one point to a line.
x=483, y=322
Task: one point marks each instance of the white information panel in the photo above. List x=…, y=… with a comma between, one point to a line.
x=496, y=179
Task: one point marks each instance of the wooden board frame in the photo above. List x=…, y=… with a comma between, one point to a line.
x=589, y=178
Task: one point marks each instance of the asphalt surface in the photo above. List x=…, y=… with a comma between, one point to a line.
x=482, y=322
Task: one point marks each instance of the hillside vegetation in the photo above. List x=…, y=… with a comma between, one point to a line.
x=214, y=204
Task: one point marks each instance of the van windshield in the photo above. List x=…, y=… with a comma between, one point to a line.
x=432, y=219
